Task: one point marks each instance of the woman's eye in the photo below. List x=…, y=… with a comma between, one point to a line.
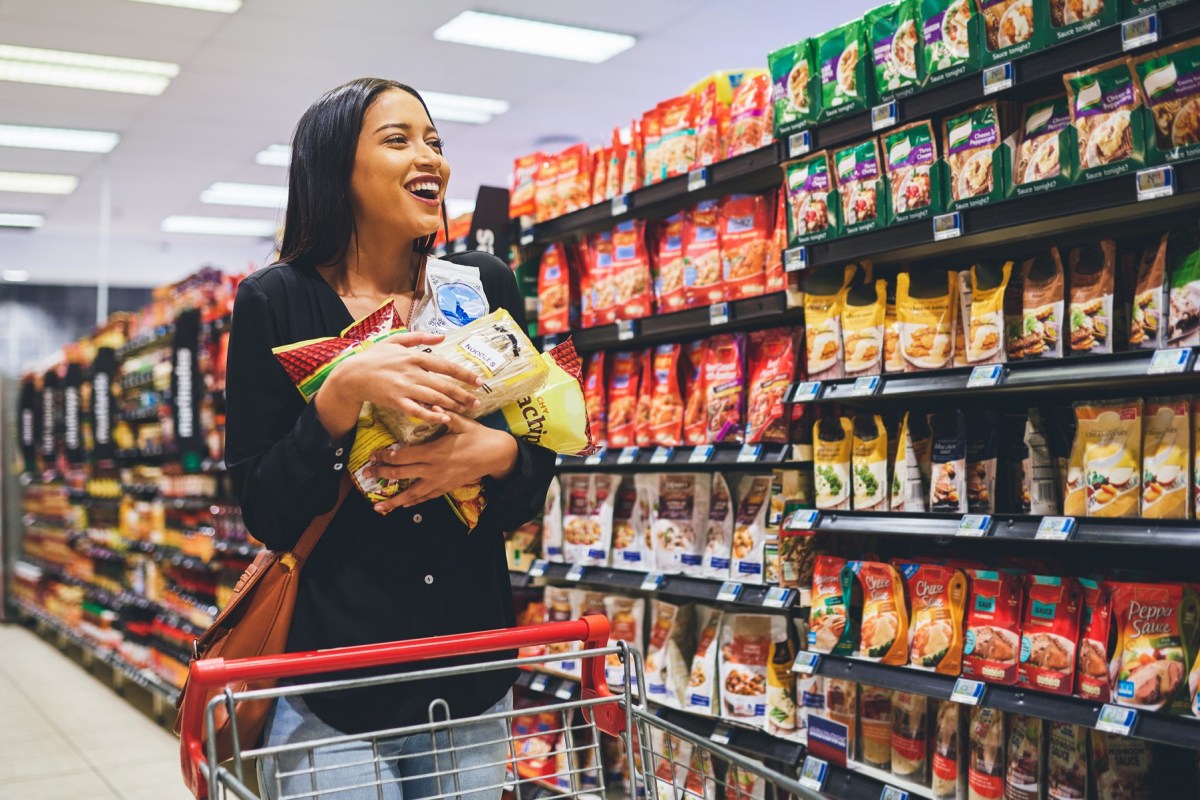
x=395, y=140
x=436, y=144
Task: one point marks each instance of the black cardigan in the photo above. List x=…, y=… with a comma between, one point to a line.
x=414, y=573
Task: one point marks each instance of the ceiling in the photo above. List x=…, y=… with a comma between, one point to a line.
x=245, y=79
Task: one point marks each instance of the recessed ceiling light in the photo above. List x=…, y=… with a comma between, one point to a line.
x=21, y=220
x=84, y=70
x=16, y=275
x=255, y=195
x=463, y=108
x=456, y=207
x=223, y=6
x=533, y=37
x=37, y=183
x=220, y=226
x=58, y=139
x=276, y=155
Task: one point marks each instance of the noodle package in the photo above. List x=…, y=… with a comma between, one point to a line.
x=1170, y=83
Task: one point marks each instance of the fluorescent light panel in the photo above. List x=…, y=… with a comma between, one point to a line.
x=276, y=155
x=37, y=183
x=463, y=108
x=533, y=37
x=254, y=195
x=221, y=6
x=220, y=226
x=16, y=275
x=84, y=70
x=21, y=220
x=79, y=141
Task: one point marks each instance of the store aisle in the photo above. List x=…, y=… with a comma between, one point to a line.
x=64, y=734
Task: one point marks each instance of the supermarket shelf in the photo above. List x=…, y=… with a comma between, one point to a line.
x=751, y=741
x=684, y=587
x=544, y=683
x=1177, y=731
x=159, y=338
x=680, y=459
x=1134, y=532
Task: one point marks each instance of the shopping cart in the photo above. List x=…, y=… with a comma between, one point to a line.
x=662, y=760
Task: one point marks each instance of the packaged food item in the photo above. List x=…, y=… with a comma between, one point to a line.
x=665, y=397
x=600, y=254
x=1150, y=664
x=631, y=173
x=1166, y=450
x=912, y=465
x=595, y=396
x=781, y=717
x=1103, y=101
x=985, y=770
x=1183, y=325
x=972, y=139
x=616, y=165
x=844, y=57
x=1040, y=156
x=631, y=519
x=672, y=635
x=749, y=122
x=700, y=782
x=949, y=29
x=560, y=606
x=522, y=199
x=833, y=446
x=1039, y=477
x=1096, y=641
x=910, y=736
x=626, y=615
x=652, y=154
x=962, y=324
x=861, y=187
x=824, y=299
x=1071, y=18
x=875, y=719
x=744, y=235
x=702, y=680
x=1011, y=27
x=695, y=394
x=702, y=282
x=680, y=520
x=631, y=271
x=985, y=334
x=1066, y=761
x=672, y=756
x=742, y=784
x=1147, y=328
x=588, y=518
x=792, y=91
x=993, y=639
x=1122, y=766
x=772, y=363
x=1111, y=448
x=948, y=482
x=883, y=634
x=554, y=291
x=708, y=126
x=746, y=641
x=1024, y=776
x=668, y=280
x=1049, y=633
x=812, y=199
x=546, y=199
x=552, y=532
x=927, y=308
x=1166, y=79
x=573, y=184
x=641, y=425
x=869, y=463
x=864, y=312
x=937, y=595
x=910, y=155
x=678, y=127
x=895, y=34
x=776, y=280
x=1044, y=306
x=827, y=622
x=841, y=705
x=982, y=451
x=749, y=529
x=600, y=161
x=893, y=358
x=798, y=549
x=948, y=751
x=623, y=383
x=718, y=545
x=724, y=385
x=1093, y=277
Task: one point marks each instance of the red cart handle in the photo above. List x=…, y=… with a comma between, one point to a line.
x=211, y=673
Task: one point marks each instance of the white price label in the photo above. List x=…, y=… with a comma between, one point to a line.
x=813, y=773
x=718, y=314
x=998, y=78
x=893, y=793
x=538, y=568
x=730, y=591
x=662, y=455
x=595, y=458
x=575, y=573
x=795, y=259
x=806, y=392
x=628, y=455
x=1167, y=362
x=806, y=663
x=539, y=683
x=985, y=375
x=799, y=144
x=804, y=519
x=1155, y=182
x=721, y=734
x=776, y=597
x=697, y=179
x=969, y=693
x=626, y=330
x=526, y=237
x=883, y=116
x=701, y=454
x=1056, y=528
x=975, y=525
x=652, y=582
x=1116, y=719
x=865, y=387
x=1139, y=32
x=620, y=205
x=749, y=453
x=565, y=690
x=947, y=226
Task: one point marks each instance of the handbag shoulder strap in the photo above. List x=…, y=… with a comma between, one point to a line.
x=316, y=528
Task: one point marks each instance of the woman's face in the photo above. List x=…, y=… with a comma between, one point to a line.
x=399, y=178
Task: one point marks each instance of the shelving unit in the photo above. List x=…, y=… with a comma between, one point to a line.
x=682, y=459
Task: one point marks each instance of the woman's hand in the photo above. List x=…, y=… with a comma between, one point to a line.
x=466, y=453
x=395, y=374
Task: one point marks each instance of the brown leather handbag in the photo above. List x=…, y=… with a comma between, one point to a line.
x=255, y=622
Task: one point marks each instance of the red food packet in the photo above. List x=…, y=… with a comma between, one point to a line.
x=604, y=290
x=580, y=257
x=522, y=201
x=668, y=264
x=595, y=397
x=745, y=238
x=653, y=167
x=992, y=647
x=678, y=131
x=554, y=291
x=724, y=384
x=776, y=278
x=1095, y=643
x=695, y=412
x=1049, y=634
x=631, y=171
x=599, y=174
x=702, y=280
x=749, y=128
x=631, y=270
x=645, y=388
x=666, y=399
x=623, y=380
x=772, y=366
x=574, y=182
x=616, y=166
x=546, y=190
x=708, y=127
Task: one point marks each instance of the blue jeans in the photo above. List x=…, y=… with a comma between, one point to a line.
x=399, y=768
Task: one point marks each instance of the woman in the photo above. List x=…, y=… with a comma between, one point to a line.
x=366, y=186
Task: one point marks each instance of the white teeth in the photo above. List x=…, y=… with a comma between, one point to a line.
x=424, y=186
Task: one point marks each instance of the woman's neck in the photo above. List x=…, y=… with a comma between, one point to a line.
x=374, y=267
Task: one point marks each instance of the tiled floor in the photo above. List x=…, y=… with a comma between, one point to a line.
x=65, y=735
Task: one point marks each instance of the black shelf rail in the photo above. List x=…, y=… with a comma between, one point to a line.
x=686, y=458
x=742, y=738
x=1177, y=731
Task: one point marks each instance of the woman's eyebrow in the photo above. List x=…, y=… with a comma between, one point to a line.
x=404, y=126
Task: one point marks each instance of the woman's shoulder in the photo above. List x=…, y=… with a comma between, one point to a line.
x=278, y=279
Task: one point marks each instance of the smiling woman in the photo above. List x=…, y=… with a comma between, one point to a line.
x=365, y=200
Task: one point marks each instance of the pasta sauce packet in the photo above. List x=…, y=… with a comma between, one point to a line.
x=1096, y=642
x=861, y=187
x=1103, y=102
x=1049, y=633
x=1150, y=665
x=992, y=646
x=812, y=203
x=828, y=626
x=833, y=445
x=864, y=313
x=938, y=595
x=882, y=635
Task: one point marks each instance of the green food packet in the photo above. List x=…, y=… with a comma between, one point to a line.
x=895, y=42
x=792, y=87
x=1012, y=28
x=843, y=60
x=910, y=154
x=971, y=140
x=950, y=38
x=1104, y=105
x=1170, y=83
x=812, y=200
x=1072, y=18
x=860, y=184
x=1040, y=156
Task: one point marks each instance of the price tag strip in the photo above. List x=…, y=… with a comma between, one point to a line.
x=985, y=375
x=806, y=392
x=947, y=226
x=526, y=237
x=697, y=179
x=865, y=387
x=652, y=582
x=883, y=116
x=565, y=690
x=701, y=454
x=721, y=734
x=662, y=455
x=626, y=330
x=595, y=458
x=804, y=519
x=1116, y=719
x=776, y=597
x=575, y=573
x=620, y=205
x=799, y=144
x=998, y=78
x=893, y=793
x=1167, y=362
x=1155, y=182
x=975, y=525
x=795, y=259
x=969, y=693
x=628, y=455
x=539, y=683
x=718, y=314
x=1056, y=528
x=812, y=775
x=806, y=663
x=730, y=591
x=749, y=453
x=538, y=568
x=1139, y=32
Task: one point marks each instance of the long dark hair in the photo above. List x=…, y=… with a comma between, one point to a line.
x=319, y=218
